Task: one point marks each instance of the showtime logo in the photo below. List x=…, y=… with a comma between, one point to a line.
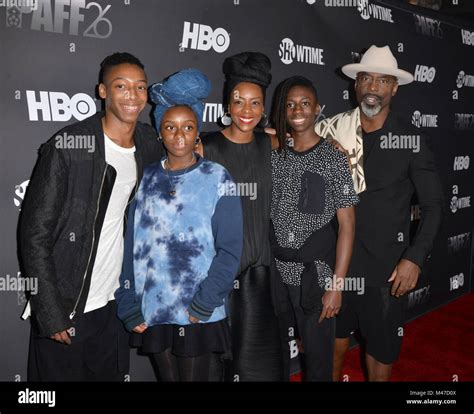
x=20, y=191
x=59, y=107
x=212, y=112
x=424, y=120
x=464, y=80
x=203, y=37
x=461, y=163
x=51, y=16
x=425, y=73
x=427, y=26
x=467, y=37
x=289, y=52
x=458, y=203
x=375, y=11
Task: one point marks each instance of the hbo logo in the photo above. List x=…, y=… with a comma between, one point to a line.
x=202, y=37
x=424, y=73
x=57, y=106
x=456, y=281
x=461, y=163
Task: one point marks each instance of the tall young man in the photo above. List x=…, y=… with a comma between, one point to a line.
x=71, y=232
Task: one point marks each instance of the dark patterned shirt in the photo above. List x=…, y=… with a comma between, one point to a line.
x=308, y=188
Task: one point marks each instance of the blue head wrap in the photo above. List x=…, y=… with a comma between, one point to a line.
x=186, y=87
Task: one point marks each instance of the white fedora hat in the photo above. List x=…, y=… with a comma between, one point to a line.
x=378, y=60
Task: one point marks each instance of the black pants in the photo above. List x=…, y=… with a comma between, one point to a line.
x=99, y=350
x=318, y=339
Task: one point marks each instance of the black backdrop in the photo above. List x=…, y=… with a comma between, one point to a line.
x=49, y=65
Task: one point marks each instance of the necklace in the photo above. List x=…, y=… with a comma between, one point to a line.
x=172, y=191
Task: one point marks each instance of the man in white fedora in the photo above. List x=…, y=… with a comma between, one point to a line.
x=390, y=161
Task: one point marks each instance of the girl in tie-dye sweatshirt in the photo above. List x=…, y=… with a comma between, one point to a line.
x=183, y=244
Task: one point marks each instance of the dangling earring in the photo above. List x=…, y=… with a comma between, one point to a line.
x=263, y=123
x=160, y=138
x=226, y=120
x=197, y=141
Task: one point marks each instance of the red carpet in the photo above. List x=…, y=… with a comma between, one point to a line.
x=438, y=346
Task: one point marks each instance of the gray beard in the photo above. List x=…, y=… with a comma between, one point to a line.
x=370, y=111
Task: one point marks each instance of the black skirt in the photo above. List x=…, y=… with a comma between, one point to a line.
x=184, y=340
x=256, y=343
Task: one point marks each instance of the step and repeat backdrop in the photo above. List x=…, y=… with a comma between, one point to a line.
x=50, y=53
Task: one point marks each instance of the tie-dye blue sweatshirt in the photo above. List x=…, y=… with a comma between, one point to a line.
x=182, y=251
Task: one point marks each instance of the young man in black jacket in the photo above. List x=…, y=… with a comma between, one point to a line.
x=71, y=231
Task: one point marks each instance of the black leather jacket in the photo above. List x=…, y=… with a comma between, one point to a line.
x=62, y=217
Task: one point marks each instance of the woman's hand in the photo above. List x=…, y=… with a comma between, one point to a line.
x=192, y=319
x=140, y=328
x=272, y=133
x=336, y=144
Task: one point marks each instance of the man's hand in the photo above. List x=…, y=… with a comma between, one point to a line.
x=140, y=328
x=270, y=131
x=332, y=301
x=336, y=144
x=62, y=337
x=404, y=277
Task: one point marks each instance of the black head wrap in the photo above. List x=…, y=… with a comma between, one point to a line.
x=253, y=67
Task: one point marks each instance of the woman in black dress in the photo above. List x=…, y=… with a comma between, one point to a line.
x=246, y=154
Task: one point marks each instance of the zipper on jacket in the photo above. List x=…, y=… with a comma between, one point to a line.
x=135, y=189
x=92, y=247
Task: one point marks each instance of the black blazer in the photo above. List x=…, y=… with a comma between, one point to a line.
x=392, y=175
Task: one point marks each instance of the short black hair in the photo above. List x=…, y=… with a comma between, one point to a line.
x=279, y=117
x=115, y=59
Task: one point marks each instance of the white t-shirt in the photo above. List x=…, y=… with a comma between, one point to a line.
x=108, y=261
